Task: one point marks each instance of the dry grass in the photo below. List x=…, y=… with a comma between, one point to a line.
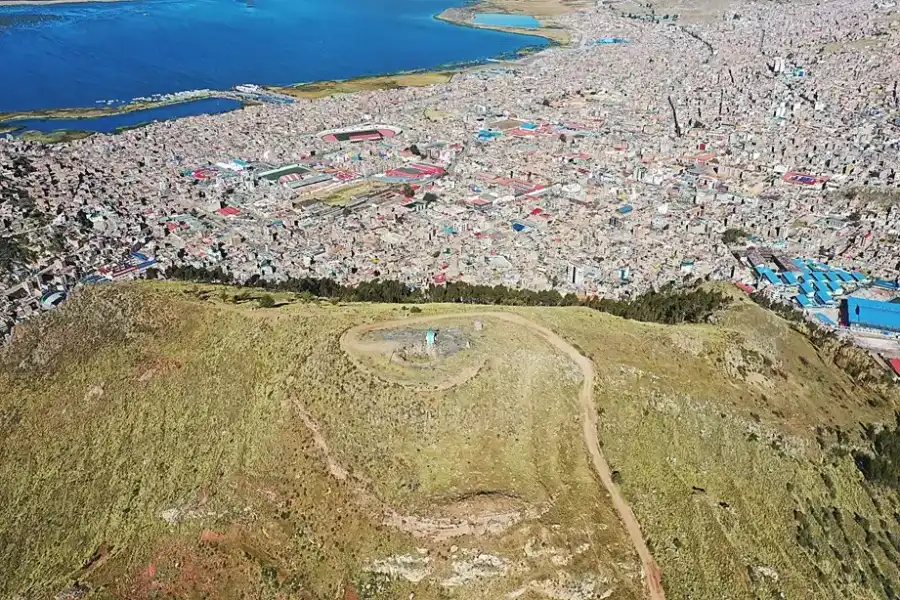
x=189, y=415
x=321, y=89
x=354, y=190
x=535, y=8
x=155, y=429
x=712, y=429
x=160, y=397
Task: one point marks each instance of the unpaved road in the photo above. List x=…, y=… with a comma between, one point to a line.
x=589, y=420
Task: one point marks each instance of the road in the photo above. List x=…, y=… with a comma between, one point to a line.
x=652, y=573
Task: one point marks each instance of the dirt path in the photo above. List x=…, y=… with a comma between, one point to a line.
x=351, y=341
x=589, y=421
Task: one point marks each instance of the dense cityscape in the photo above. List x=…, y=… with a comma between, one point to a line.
x=645, y=152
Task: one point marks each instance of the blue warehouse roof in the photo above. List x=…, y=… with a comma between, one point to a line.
x=872, y=313
x=807, y=289
x=769, y=275
x=824, y=297
x=790, y=278
x=826, y=320
x=884, y=283
x=803, y=301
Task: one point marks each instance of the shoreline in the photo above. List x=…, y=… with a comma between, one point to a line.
x=96, y=112
x=458, y=16
x=462, y=16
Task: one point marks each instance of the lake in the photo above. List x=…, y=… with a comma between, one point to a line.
x=74, y=55
x=112, y=123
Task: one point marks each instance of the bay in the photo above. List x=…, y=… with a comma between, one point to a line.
x=116, y=122
x=76, y=55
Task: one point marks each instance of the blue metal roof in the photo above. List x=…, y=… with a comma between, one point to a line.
x=833, y=276
x=858, y=276
x=807, y=289
x=884, y=283
x=818, y=276
x=826, y=320
x=824, y=297
x=847, y=277
x=790, y=278
x=768, y=275
x=833, y=287
x=872, y=313
x=802, y=301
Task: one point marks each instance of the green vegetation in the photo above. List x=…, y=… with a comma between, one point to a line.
x=734, y=236
x=14, y=251
x=59, y=136
x=670, y=305
x=882, y=464
x=266, y=301
x=321, y=89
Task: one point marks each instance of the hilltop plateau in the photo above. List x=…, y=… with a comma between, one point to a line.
x=180, y=440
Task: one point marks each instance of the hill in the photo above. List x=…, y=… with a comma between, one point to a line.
x=178, y=440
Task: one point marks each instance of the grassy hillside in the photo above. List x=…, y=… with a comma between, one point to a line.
x=726, y=440
x=171, y=440
x=166, y=442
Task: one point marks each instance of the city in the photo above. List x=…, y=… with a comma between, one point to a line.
x=645, y=152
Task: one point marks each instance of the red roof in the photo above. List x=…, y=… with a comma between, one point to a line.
x=895, y=364
x=228, y=211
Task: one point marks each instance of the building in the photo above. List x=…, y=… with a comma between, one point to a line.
x=871, y=314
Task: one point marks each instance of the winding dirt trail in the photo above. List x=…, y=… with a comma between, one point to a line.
x=589, y=420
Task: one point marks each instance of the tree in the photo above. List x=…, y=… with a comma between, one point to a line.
x=266, y=301
x=734, y=235
x=429, y=198
x=408, y=190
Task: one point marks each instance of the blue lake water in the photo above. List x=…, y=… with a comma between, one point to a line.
x=69, y=55
x=110, y=123
x=500, y=20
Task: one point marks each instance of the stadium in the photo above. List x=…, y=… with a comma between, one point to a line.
x=360, y=133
